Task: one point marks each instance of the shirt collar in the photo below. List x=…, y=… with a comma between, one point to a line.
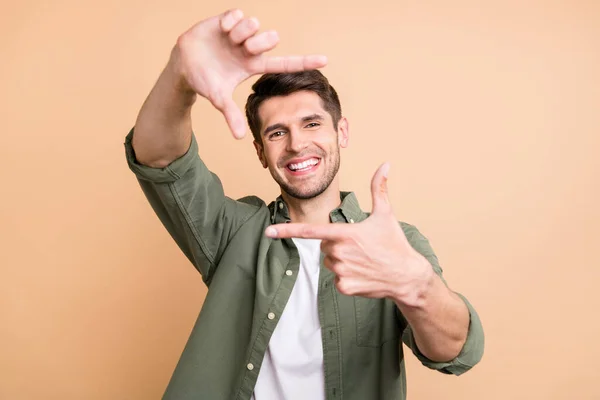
x=348, y=211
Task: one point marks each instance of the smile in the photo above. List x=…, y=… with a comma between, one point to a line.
x=304, y=166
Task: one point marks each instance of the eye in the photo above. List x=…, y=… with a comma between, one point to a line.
x=313, y=124
x=277, y=134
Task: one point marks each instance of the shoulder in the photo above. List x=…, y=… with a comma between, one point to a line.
x=410, y=230
x=415, y=237
x=246, y=208
x=253, y=201
x=421, y=244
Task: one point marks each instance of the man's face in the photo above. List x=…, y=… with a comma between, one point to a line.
x=300, y=145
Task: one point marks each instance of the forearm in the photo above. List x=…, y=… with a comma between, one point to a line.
x=163, y=129
x=439, y=320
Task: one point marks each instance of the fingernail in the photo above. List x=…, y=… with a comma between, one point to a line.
x=386, y=169
x=240, y=133
x=271, y=232
x=237, y=14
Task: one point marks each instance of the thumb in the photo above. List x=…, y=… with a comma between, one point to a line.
x=234, y=117
x=379, y=190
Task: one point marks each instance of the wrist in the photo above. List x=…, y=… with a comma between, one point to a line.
x=176, y=78
x=416, y=291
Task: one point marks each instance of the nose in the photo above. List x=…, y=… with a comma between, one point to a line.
x=296, y=141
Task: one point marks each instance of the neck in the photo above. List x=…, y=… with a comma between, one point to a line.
x=315, y=210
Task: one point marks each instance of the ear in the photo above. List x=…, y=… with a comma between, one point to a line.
x=260, y=153
x=343, y=132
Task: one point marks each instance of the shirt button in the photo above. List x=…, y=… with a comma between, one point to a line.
x=250, y=367
x=289, y=272
x=351, y=221
x=271, y=315
x=280, y=206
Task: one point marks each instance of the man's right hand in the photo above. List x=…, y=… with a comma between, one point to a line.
x=214, y=56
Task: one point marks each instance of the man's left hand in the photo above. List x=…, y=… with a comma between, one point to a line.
x=372, y=258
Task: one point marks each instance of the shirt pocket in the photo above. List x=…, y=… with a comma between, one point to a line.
x=376, y=321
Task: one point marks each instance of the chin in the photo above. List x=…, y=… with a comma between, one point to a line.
x=303, y=193
x=310, y=188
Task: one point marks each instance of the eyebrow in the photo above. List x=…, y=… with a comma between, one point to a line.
x=312, y=117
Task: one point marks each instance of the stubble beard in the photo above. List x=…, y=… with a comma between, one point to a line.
x=316, y=189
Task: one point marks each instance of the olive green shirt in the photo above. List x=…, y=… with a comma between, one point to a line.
x=250, y=276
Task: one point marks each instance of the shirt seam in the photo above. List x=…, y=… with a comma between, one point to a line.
x=325, y=345
x=458, y=361
x=172, y=173
x=339, y=345
x=246, y=219
x=188, y=221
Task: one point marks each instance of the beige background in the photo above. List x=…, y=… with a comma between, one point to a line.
x=488, y=113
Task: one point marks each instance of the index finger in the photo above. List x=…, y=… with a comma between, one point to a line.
x=293, y=63
x=307, y=231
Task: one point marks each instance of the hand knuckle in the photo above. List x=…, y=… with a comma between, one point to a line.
x=307, y=231
x=249, y=46
x=340, y=269
x=336, y=252
x=342, y=287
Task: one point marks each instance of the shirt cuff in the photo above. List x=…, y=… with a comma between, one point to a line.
x=469, y=356
x=170, y=173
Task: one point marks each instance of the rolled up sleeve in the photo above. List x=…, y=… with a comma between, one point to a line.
x=470, y=354
x=170, y=173
x=472, y=350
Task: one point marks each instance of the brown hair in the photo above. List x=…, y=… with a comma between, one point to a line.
x=283, y=84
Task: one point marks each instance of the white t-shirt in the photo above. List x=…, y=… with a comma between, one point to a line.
x=293, y=365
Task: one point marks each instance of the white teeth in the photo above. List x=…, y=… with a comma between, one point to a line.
x=304, y=164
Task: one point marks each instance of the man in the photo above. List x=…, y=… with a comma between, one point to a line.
x=309, y=297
